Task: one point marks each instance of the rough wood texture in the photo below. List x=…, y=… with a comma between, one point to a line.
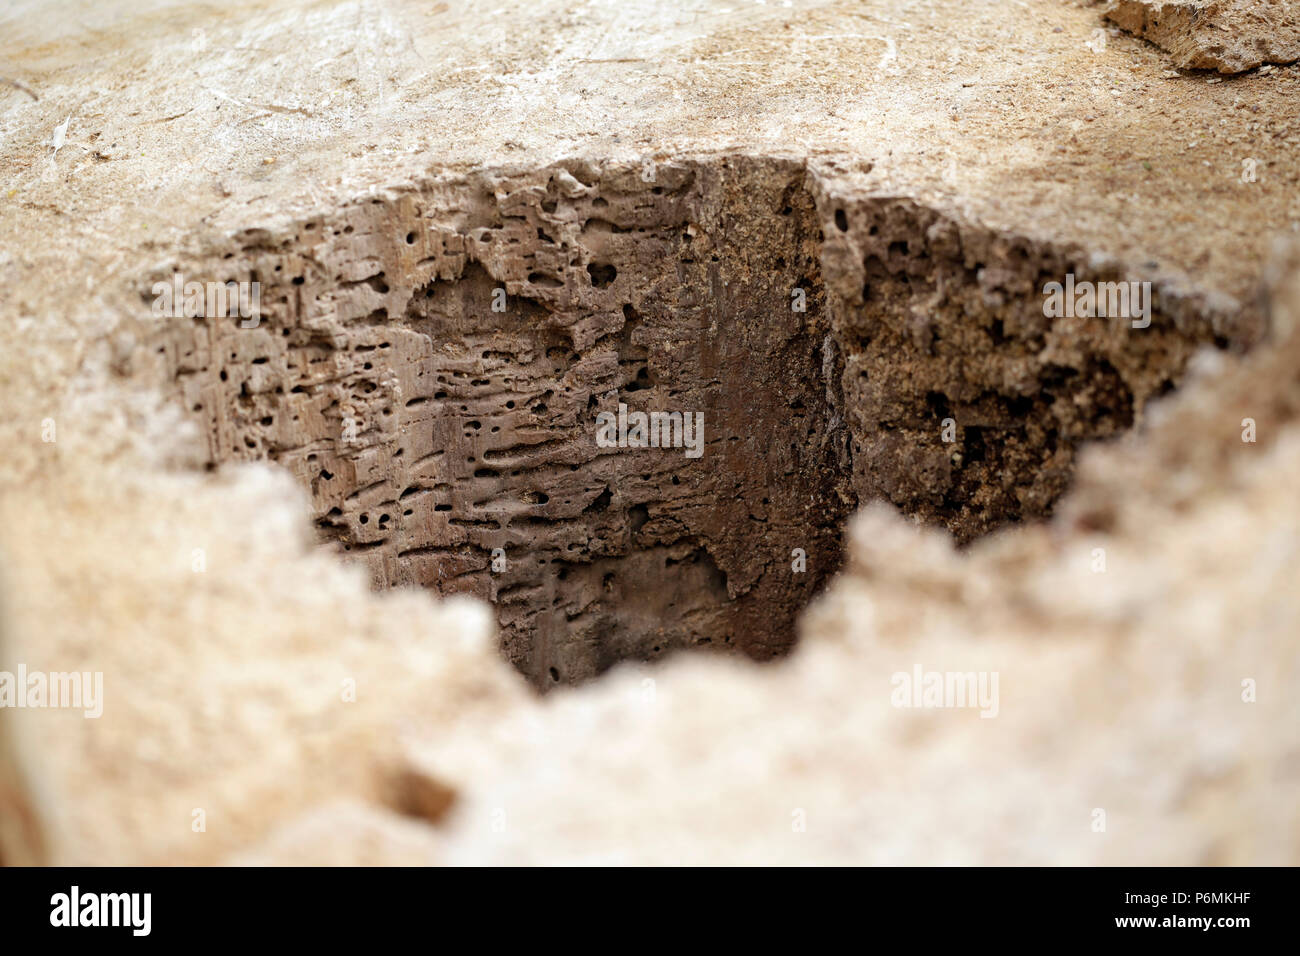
x=436, y=432
x=1229, y=36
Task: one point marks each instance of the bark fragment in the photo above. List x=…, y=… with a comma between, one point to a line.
x=1229, y=36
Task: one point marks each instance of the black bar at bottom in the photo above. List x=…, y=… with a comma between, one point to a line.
x=331, y=907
